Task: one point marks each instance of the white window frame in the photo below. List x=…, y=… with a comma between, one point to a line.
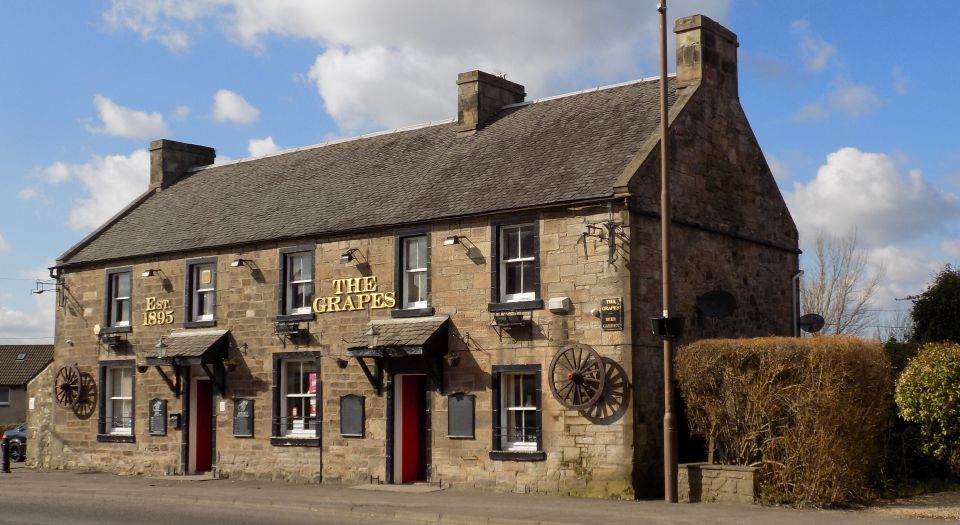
x=504, y=262
x=306, y=265
x=414, y=273
x=509, y=381
x=197, y=289
x=112, y=396
x=311, y=400
x=117, y=301
x=4, y=399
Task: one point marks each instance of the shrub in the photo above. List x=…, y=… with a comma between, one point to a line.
x=928, y=394
x=809, y=413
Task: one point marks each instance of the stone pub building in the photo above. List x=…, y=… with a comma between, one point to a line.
x=465, y=302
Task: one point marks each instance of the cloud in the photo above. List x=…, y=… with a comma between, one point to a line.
x=261, y=147
x=814, y=50
x=951, y=247
x=231, y=107
x=17, y=325
x=56, y=173
x=866, y=191
x=4, y=247
x=27, y=193
x=901, y=82
x=856, y=100
x=180, y=113
x=124, y=122
x=810, y=112
x=781, y=171
x=389, y=64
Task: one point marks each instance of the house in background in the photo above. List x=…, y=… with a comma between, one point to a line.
x=18, y=365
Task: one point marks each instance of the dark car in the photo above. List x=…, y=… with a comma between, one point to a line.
x=17, y=442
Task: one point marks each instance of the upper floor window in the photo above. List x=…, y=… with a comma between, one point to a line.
x=415, y=257
x=201, y=291
x=519, y=263
x=118, y=298
x=297, y=281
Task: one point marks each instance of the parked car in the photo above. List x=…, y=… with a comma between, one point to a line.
x=17, y=442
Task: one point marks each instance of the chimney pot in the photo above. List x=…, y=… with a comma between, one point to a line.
x=706, y=53
x=171, y=161
x=480, y=97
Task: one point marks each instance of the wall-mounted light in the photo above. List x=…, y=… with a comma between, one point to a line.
x=151, y=272
x=451, y=240
x=348, y=256
x=341, y=362
x=238, y=263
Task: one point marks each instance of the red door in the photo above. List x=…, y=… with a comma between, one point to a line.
x=203, y=422
x=413, y=460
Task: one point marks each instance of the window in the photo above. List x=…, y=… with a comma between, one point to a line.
x=201, y=297
x=414, y=271
x=117, y=311
x=4, y=396
x=116, y=401
x=296, y=281
x=517, y=417
x=515, y=279
x=296, y=401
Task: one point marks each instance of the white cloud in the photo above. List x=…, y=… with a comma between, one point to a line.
x=27, y=193
x=856, y=100
x=56, y=173
x=181, y=113
x=17, y=325
x=124, y=122
x=4, y=247
x=901, y=82
x=866, y=191
x=261, y=147
x=231, y=107
x=781, y=171
x=810, y=112
x=951, y=247
x=814, y=50
x=388, y=64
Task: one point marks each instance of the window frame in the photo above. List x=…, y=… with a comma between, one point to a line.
x=500, y=302
x=500, y=447
x=105, y=431
x=285, y=287
x=278, y=436
x=191, y=293
x=5, y=403
x=108, y=303
x=400, y=275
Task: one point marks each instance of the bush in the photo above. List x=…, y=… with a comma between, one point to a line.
x=809, y=413
x=928, y=394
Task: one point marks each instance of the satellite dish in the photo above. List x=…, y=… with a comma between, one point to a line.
x=96, y=329
x=811, y=323
x=717, y=304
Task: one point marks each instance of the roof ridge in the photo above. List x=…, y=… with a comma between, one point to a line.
x=424, y=124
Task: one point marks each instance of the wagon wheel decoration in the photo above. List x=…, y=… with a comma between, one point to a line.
x=66, y=386
x=87, y=398
x=577, y=376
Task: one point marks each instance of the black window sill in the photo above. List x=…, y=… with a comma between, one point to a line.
x=115, y=438
x=116, y=330
x=200, y=324
x=536, y=304
x=503, y=455
x=294, y=442
x=411, y=312
x=287, y=318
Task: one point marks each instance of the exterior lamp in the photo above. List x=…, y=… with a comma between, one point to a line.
x=238, y=263
x=348, y=256
x=451, y=240
x=151, y=272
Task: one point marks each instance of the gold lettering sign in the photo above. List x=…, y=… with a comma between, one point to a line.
x=355, y=293
x=157, y=311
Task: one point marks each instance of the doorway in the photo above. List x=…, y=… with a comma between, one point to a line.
x=201, y=426
x=410, y=428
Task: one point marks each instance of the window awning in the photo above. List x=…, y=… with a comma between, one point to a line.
x=400, y=338
x=180, y=350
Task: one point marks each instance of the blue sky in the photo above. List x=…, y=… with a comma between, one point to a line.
x=851, y=102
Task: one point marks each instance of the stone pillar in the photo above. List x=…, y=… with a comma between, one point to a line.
x=480, y=97
x=706, y=53
x=171, y=161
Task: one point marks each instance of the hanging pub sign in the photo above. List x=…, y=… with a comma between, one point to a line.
x=356, y=293
x=611, y=314
x=158, y=417
x=243, y=417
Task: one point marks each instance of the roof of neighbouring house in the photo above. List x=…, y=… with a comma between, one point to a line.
x=21, y=363
x=554, y=151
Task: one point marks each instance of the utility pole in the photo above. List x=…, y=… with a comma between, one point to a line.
x=669, y=419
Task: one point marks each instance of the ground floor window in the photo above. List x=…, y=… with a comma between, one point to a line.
x=296, y=398
x=517, y=412
x=4, y=396
x=117, y=412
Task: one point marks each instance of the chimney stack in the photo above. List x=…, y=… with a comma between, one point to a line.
x=170, y=161
x=481, y=96
x=706, y=53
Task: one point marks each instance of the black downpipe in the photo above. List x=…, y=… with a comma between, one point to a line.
x=185, y=422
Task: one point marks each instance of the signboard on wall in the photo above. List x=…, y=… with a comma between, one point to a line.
x=611, y=314
x=158, y=417
x=243, y=417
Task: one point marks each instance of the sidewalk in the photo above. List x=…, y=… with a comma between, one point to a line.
x=417, y=506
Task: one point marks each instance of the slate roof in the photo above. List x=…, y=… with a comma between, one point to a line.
x=564, y=149
x=17, y=373
x=399, y=332
x=188, y=344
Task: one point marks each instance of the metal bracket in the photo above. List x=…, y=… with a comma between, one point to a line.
x=174, y=387
x=220, y=382
x=509, y=320
x=289, y=330
x=376, y=377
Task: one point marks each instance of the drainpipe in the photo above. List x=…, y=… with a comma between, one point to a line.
x=795, y=289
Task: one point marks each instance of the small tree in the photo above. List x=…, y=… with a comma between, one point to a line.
x=838, y=285
x=936, y=311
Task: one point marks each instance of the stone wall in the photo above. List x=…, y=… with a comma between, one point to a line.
x=716, y=483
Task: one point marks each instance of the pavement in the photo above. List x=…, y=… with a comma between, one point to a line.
x=416, y=504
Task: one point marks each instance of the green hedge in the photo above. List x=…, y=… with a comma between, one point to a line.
x=810, y=413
